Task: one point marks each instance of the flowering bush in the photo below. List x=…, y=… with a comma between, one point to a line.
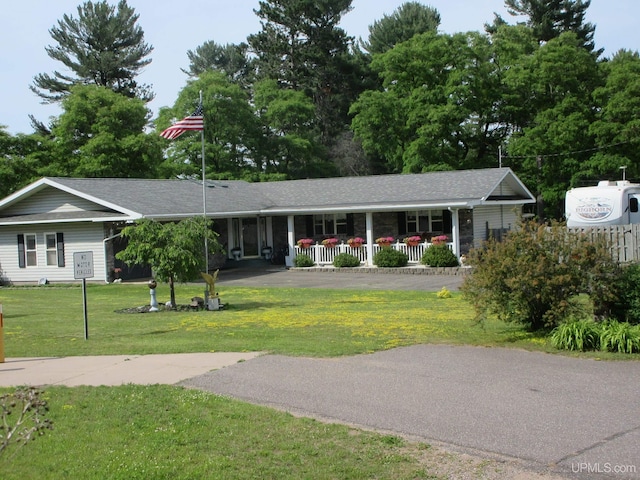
x=439, y=240
x=330, y=242
x=384, y=240
x=355, y=241
x=413, y=239
x=304, y=242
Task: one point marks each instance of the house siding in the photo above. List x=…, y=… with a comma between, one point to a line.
x=78, y=237
x=487, y=218
x=51, y=200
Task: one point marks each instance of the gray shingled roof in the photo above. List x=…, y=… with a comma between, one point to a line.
x=182, y=198
x=436, y=188
x=156, y=198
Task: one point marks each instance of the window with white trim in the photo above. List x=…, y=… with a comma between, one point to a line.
x=28, y=249
x=330, y=224
x=425, y=221
x=51, y=246
x=31, y=249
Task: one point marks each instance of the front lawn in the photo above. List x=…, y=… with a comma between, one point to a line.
x=48, y=321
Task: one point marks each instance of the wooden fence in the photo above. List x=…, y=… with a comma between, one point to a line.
x=624, y=240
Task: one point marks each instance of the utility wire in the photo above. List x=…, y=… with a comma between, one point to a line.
x=567, y=153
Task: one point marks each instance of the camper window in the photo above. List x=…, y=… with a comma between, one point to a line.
x=633, y=204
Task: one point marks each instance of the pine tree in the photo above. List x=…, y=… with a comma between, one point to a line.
x=103, y=46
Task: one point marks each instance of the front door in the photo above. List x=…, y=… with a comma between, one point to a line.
x=250, y=237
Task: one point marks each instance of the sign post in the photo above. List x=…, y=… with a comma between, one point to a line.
x=1, y=337
x=83, y=269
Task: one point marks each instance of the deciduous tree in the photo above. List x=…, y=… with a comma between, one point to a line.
x=230, y=130
x=175, y=251
x=101, y=134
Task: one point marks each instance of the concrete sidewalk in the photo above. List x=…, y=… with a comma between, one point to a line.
x=112, y=370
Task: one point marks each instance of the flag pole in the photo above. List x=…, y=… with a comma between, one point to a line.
x=204, y=200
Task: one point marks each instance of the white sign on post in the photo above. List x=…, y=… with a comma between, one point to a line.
x=82, y=265
x=83, y=269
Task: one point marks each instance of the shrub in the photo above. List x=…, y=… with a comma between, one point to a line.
x=627, y=307
x=439, y=256
x=443, y=293
x=346, y=260
x=534, y=276
x=303, y=260
x=580, y=335
x=388, y=257
x=620, y=337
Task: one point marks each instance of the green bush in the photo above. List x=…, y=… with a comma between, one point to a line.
x=346, y=260
x=620, y=337
x=579, y=335
x=388, y=257
x=439, y=256
x=537, y=273
x=303, y=260
x=627, y=306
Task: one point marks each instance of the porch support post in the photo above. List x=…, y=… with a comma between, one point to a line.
x=291, y=234
x=269, y=232
x=369, y=244
x=455, y=230
x=230, y=237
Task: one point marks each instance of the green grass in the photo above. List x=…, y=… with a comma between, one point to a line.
x=48, y=321
x=158, y=432
x=162, y=432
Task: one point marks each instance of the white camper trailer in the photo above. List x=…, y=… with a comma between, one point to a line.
x=609, y=203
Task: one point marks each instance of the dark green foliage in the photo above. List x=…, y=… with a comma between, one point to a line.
x=627, y=306
x=620, y=337
x=549, y=19
x=303, y=260
x=535, y=275
x=102, y=46
x=439, y=256
x=346, y=260
x=578, y=335
x=230, y=59
x=388, y=257
x=301, y=47
x=408, y=20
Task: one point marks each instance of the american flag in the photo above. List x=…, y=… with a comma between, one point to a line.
x=195, y=121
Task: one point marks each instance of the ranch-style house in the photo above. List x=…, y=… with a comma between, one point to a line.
x=46, y=222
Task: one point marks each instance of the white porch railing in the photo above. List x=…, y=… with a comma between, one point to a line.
x=322, y=255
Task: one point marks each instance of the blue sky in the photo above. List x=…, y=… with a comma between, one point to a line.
x=174, y=27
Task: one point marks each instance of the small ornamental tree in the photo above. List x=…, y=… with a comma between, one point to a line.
x=175, y=251
x=535, y=274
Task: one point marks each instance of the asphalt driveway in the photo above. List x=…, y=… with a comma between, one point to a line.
x=575, y=417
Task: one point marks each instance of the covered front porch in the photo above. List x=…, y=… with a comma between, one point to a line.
x=344, y=227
